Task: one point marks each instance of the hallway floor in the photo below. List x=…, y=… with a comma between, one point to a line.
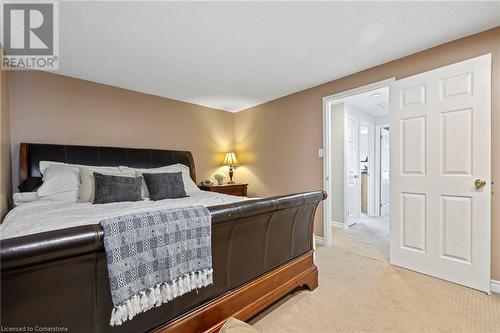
x=369, y=237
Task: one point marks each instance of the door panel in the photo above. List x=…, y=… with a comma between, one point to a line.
x=414, y=152
x=412, y=96
x=456, y=225
x=457, y=144
x=414, y=209
x=440, y=141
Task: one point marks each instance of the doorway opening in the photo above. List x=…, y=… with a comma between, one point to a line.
x=358, y=170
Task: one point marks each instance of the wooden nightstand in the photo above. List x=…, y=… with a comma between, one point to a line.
x=232, y=189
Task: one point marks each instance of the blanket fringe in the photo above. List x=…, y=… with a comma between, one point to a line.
x=159, y=294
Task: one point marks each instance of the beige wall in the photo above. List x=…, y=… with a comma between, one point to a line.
x=5, y=180
x=279, y=140
x=49, y=108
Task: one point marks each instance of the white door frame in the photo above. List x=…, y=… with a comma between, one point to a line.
x=327, y=177
x=378, y=173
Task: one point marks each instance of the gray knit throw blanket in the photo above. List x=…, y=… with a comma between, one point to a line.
x=155, y=257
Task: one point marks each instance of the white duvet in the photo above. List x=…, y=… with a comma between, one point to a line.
x=44, y=215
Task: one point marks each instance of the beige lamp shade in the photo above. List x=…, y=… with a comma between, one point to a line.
x=230, y=159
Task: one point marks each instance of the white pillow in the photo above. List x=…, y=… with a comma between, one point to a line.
x=60, y=183
x=25, y=197
x=87, y=179
x=44, y=165
x=189, y=185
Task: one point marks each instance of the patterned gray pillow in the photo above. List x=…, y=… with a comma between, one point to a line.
x=165, y=185
x=116, y=188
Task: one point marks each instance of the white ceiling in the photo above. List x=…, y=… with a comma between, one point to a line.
x=234, y=55
x=374, y=102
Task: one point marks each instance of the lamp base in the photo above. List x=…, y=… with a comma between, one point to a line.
x=230, y=175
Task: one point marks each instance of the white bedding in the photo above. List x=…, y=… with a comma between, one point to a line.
x=44, y=215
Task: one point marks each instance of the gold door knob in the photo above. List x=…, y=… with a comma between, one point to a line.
x=479, y=183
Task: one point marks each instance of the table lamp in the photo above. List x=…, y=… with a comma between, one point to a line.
x=230, y=161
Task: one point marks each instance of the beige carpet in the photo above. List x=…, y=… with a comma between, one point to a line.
x=369, y=238
x=360, y=292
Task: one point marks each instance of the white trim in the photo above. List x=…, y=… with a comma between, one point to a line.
x=495, y=286
x=327, y=210
x=327, y=101
x=346, y=179
x=319, y=240
x=338, y=97
x=377, y=167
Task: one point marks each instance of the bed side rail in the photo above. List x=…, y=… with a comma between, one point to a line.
x=64, y=243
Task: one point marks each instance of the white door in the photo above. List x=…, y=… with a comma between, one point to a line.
x=352, y=171
x=384, y=172
x=440, y=124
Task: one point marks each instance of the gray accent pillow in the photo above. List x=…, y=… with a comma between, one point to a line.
x=165, y=185
x=116, y=188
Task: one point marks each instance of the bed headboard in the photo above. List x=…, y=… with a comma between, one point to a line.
x=30, y=155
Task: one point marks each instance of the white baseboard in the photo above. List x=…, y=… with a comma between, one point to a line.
x=495, y=286
x=338, y=224
x=319, y=240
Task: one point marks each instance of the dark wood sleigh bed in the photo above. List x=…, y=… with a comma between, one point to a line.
x=262, y=249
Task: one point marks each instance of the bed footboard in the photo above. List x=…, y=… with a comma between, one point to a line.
x=262, y=249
